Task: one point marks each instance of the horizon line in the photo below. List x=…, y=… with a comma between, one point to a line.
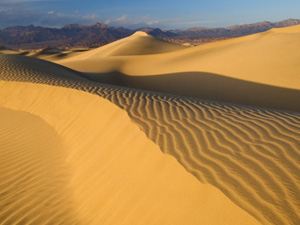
x=60, y=27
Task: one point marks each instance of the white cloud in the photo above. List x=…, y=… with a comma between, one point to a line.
x=123, y=18
x=150, y=23
x=132, y=22
x=90, y=17
x=197, y=22
x=17, y=13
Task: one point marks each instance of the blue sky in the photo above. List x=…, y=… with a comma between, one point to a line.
x=166, y=14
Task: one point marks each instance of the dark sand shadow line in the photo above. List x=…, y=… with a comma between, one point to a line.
x=208, y=86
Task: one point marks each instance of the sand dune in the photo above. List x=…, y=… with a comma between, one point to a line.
x=53, y=54
x=4, y=50
x=33, y=176
x=268, y=60
x=208, y=86
x=29, y=68
x=261, y=58
x=250, y=155
x=140, y=43
x=69, y=157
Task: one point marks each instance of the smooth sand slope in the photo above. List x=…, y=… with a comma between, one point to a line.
x=260, y=70
x=140, y=43
x=108, y=172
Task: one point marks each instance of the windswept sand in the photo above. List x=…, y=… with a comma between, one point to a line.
x=259, y=70
x=71, y=157
x=74, y=157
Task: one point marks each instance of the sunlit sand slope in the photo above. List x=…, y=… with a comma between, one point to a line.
x=250, y=154
x=33, y=176
x=269, y=58
x=260, y=70
x=7, y=51
x=70, y=157
x=139, y=43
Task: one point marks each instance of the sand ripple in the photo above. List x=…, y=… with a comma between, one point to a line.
x=250, y=154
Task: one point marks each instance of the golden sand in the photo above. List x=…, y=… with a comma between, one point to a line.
x=72, y=157
x=259, y=70
x=73, y=151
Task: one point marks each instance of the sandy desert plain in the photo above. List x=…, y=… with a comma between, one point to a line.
x=142, y=131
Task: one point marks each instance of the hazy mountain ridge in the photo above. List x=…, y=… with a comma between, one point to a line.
x=75, y=35
x=236, y=30
x=69, y=35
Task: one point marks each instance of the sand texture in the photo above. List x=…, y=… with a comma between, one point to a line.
x=76, y=151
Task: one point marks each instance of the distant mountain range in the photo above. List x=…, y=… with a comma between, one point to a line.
x=235, y=31
x=98, y=34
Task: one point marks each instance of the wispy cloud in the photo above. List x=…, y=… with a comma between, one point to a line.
x=122, y=19
x=132, y=22
x=90, y=17
x=150, y=23
x=183, y=24
x=195, y=22
x=21, y=12
x=17, y=12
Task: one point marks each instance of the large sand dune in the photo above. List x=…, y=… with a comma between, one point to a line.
x=139, y=43
x=104, y=170
x=72, y=157
x=259, y=70
x=68, y=157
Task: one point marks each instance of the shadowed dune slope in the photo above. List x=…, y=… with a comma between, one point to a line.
x=270, y=58
x=210, y=87
x=69, y=157
x=250, y=154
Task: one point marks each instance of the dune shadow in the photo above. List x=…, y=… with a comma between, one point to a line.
x=207, y=86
